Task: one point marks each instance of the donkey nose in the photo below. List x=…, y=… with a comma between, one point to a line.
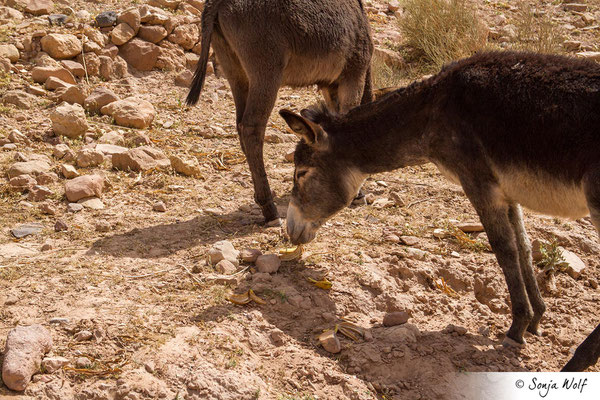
x=298, y=229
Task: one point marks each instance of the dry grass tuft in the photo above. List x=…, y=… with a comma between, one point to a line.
x=536, y=31
x=441, y=31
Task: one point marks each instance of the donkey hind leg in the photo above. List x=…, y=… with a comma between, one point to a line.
x=586, y=355
x=350, y=91
x=515, y=215
x=493, y=212
x=262, y=94
x=236, y=76
x=330, y=95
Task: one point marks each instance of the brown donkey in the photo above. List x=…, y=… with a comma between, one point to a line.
x=263, y=45
x=511, y=128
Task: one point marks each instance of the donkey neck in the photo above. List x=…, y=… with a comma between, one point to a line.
x=387, y=134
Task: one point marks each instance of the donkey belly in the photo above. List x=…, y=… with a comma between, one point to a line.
x=308, y=70
x=544, y=193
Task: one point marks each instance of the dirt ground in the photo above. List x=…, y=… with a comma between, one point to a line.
x=162, y=329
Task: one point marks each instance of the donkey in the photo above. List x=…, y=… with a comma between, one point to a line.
x=511, y=128
x=263, y=45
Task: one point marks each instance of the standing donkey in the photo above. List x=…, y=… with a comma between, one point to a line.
x=265, y=44
x=511, y=128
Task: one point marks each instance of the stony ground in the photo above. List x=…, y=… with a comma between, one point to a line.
x=132, y=304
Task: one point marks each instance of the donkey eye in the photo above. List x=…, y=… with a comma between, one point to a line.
x=300, y=174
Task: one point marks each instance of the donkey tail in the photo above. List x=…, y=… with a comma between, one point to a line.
x=209, y=17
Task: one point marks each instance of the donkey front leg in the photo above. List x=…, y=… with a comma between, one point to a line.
x=515, y=215
x=587, y=353
x=493, y=211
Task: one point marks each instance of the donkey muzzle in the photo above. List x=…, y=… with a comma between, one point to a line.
x=299, y=229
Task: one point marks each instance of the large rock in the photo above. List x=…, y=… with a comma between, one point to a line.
x=131, y=17
x=185, y=35
x=268, y=263
x=152, y=15
x=83, y=187
x=140, y=159
x=25, y=347
x=9, y=51
x=91, y=62
x=140, y=54
x=33, y=167
x=41, y=74
x=39, y=7
x=110, y=149
x=69, y=120
x=121, y=34
x=106, y=19
x=188, y=167
x=9, y=14
x=152, y=33
x=172, y=4
x=89, y=158
x=131, y=112
x=99, y=98
x=389, y=57
x=95, y=36
x=19, y=98
x=223, y=250
x=107, y=68
x=74, y=94
x=61, y=46
x=74, y=68
x=53, y=83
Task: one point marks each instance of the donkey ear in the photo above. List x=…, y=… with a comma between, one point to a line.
x=305, y=129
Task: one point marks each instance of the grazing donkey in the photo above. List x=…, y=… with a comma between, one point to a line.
x=511, y=128
x=263, y=45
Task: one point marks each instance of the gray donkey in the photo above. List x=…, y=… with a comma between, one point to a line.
x=511, y=128
x=265, y=44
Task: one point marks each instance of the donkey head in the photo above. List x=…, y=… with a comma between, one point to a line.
x=323, y=183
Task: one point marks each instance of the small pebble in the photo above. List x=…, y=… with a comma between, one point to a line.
x=160, y=207
x=395, y=318
x=60, y=226
x=83, y=336
x=330, y=342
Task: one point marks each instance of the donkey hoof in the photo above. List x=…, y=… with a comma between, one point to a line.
x=535, y=330
x=274, y=223
x=508, y=343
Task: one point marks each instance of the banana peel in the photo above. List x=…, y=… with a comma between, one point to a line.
x=324, y=283
x=349, y=330
x=245, y=298
x=290, y=253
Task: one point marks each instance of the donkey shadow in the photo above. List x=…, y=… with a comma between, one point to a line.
x=167, y=239
x=399, y=361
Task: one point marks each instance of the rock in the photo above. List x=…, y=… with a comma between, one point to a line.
x=590, y=55
x=102, y=226
x=72, y=94
x=82, y=336
x=459, y=330
x=39, y=7
x=131, y=112
x=250, y=255
x=46, y=177
x=409, y=240
x=46, y=247
x=574, y=264
x=110, y=149
x=61, y=46
x=152, y=33
x=159, y=206
x=185, y=35
x=9, y=51
x=225, y=267
x=60, y=226
x=382, y=202
x=131, y=17
x=152, y=15
x=82, y=362
x=53, y=364
x=440, y=233
x=47, y=208
x=57, y=19
x=99, y=98
x=416, y=254
x=34, y=167
x=112, y=137
x=5, y=66
x=19, y=98
x=107, y=68
x=184, y=78
x=223, y=250
x=84, y=186
x=25, y=347
x=41, y=74
x=172, y=4
x=391, y=238
x=140, y=159
x=69, y=120
x=393, y=6
x=26, y=229
x=571, y=45
x=53, y=83
x=106, y=19
x=89, y=158
x=577, y=7
x=39, y=193
x=470, y=227
x=121, y=34
x=268, y=263
x=188, y=167
x=389, y=57
x=93, y=203
x=140, y=54
x=9, y=14
x=330, y=342
x=15, y=136
x=74, y=207
x=395, y=318
x=22, y=182
x=289, y=157
x=191, y=60
x=91, y=62
x=68, y=171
